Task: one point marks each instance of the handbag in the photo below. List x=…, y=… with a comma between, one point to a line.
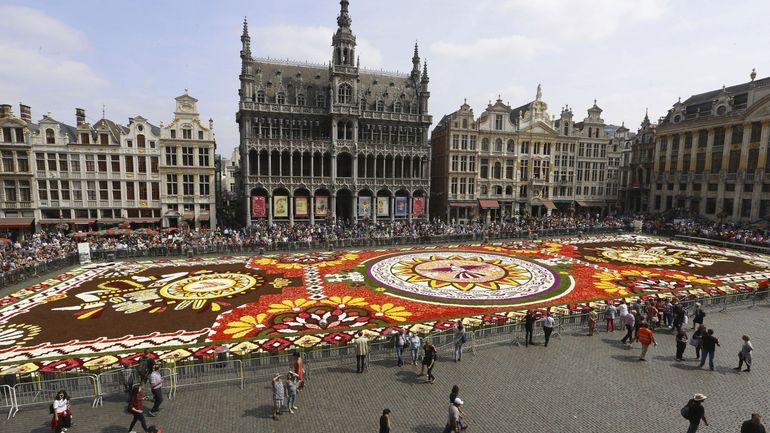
x=694, y=341
x=462, y=424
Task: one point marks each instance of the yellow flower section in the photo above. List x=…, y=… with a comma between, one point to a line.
x=399, y=314
x=246, y=324
x=345, y=301
x=289, y=305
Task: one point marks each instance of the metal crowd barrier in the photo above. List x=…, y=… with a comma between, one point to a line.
x=7, y=399
x=206, y=373
x=117, y=381
x=44, y=391
x=263, y=367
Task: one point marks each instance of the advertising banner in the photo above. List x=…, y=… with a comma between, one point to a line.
x=280, y=206
x=84, y=253
x=418, y=206
x=258, y=208
x=401, y=206
x=321, y=206
x=364, y=207
x=300, y=207
x=383, y=206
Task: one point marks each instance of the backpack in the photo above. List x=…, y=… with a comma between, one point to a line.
x=464, y=339
x=686, y=412
x=50, y=409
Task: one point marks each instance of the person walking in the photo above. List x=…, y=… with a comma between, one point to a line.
x=299, y=369
x=592, y=318
x=679, y=314
x=745, y=354
x=646, y=337
x=697, y=340
x=399, y=341
x=291, y=391
x=622, y=312
x=668, y=313
x=629, y=320
x=385, y=421
x=429, y=360
x=137, y=409
x=652, y=315
x=609, y=315
x=710, y=344
x=279, y=392
x=453, y=421
x=697, y=316
x=529, y=326
x=362, y=348
x=548, y=324
x=681, y=344
x=459, y=340
x=415, y=343
x=753, y=425
x=156, y=387
x=694, y=412
x=62, y=412
x=145, y=366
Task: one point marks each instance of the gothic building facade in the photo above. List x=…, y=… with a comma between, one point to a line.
x=332, y=141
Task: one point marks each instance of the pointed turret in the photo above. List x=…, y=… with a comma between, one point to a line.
x=425, y=78
x=415, y=64
x=343, y=41
x=424, y=93
x=245, y=41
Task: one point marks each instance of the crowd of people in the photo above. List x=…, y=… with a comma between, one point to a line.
x=44, y=247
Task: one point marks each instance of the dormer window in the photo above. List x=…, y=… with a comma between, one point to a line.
x=140, y=141
x=320, y=101
x=397, y=107
x=173, y=133
x=301, y=100
x=84, y=138
x=187, y=134
x=260, y=97
x=280, y=98
x=200, y=135
x=49, y=136
x=104, y=139
x=380, y=106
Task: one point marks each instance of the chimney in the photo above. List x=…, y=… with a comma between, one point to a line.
x=80, y=116
x=25, y=112
x=5, y=111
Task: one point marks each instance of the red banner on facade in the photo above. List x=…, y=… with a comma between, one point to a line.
x=418, y=206
x=258, y=209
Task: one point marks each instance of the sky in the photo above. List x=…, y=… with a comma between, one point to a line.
x=133, y=58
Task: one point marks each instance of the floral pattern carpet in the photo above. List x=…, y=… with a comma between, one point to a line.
x=102, y=314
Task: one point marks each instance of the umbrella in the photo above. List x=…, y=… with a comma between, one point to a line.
x=146, y=231
x=5, y=241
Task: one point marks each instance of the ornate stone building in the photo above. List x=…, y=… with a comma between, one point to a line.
x=512, y=162
x=636, y=169
x=187, y=167
x=16, y=199
x=711, y=155
x=332, y=140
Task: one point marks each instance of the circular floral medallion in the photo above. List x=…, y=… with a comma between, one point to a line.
x=200, y=288
x=640, y=255
x=464, y=277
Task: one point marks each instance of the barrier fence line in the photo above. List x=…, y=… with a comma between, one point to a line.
x=207, y=373
x=7, y=399
x=44, y=391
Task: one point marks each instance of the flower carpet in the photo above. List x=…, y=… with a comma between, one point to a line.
x=103, y=313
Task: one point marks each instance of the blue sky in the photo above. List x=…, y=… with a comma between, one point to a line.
x=135, y=57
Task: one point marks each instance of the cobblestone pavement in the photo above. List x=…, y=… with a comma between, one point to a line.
x=577, y=384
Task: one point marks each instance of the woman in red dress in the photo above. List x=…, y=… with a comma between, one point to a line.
x=299, y=369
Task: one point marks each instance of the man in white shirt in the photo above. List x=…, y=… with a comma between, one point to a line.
x=548, y=324
x=156, y=382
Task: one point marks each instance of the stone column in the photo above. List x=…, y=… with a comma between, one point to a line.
x=247, y=208
x=355, y=207
x=333, y=205
x=269, y=208
x=409, y=206
x=291, y=209
x=392, y=208
x=311, y=205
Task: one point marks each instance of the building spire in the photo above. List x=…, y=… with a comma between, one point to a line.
x=245, y=41
x=415, y=64
x=425, y=71
x=344, y=21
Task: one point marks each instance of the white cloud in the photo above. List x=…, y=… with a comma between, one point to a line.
x=39, y=62
x=586, y=20
x=491, y=49
x=312, y=44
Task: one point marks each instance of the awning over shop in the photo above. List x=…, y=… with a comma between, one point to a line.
x=586, y=203
x=15, y=223
x=144, y=220
x=548, y=204
x=489, y=204
x=473, y=204
x=188, y=216
x=49, y=222
x=203, y=217
x=172, y=214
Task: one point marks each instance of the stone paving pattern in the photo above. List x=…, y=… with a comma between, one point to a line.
x=577, y=384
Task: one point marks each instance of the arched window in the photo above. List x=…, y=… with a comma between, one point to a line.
x=280, y=98
x=498, y=145
x=49, y=137
x=508, y=191
x=498, y=190
x=485, y=145
x=484, y=190
x=344, y=93
x=380, y=105
x=261, y=97
x=465, y=123
x=363, y=104
x=397, y=107
x=509, y=146
x=497, y=173
x=140, y=140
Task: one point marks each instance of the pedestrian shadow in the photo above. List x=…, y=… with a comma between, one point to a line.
x=264, y=411
x=428, y=428
x=613, y=342
x=45, y=429
x=384, y=362
x=627, y=358
x=408, y=376
x=109, y=429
